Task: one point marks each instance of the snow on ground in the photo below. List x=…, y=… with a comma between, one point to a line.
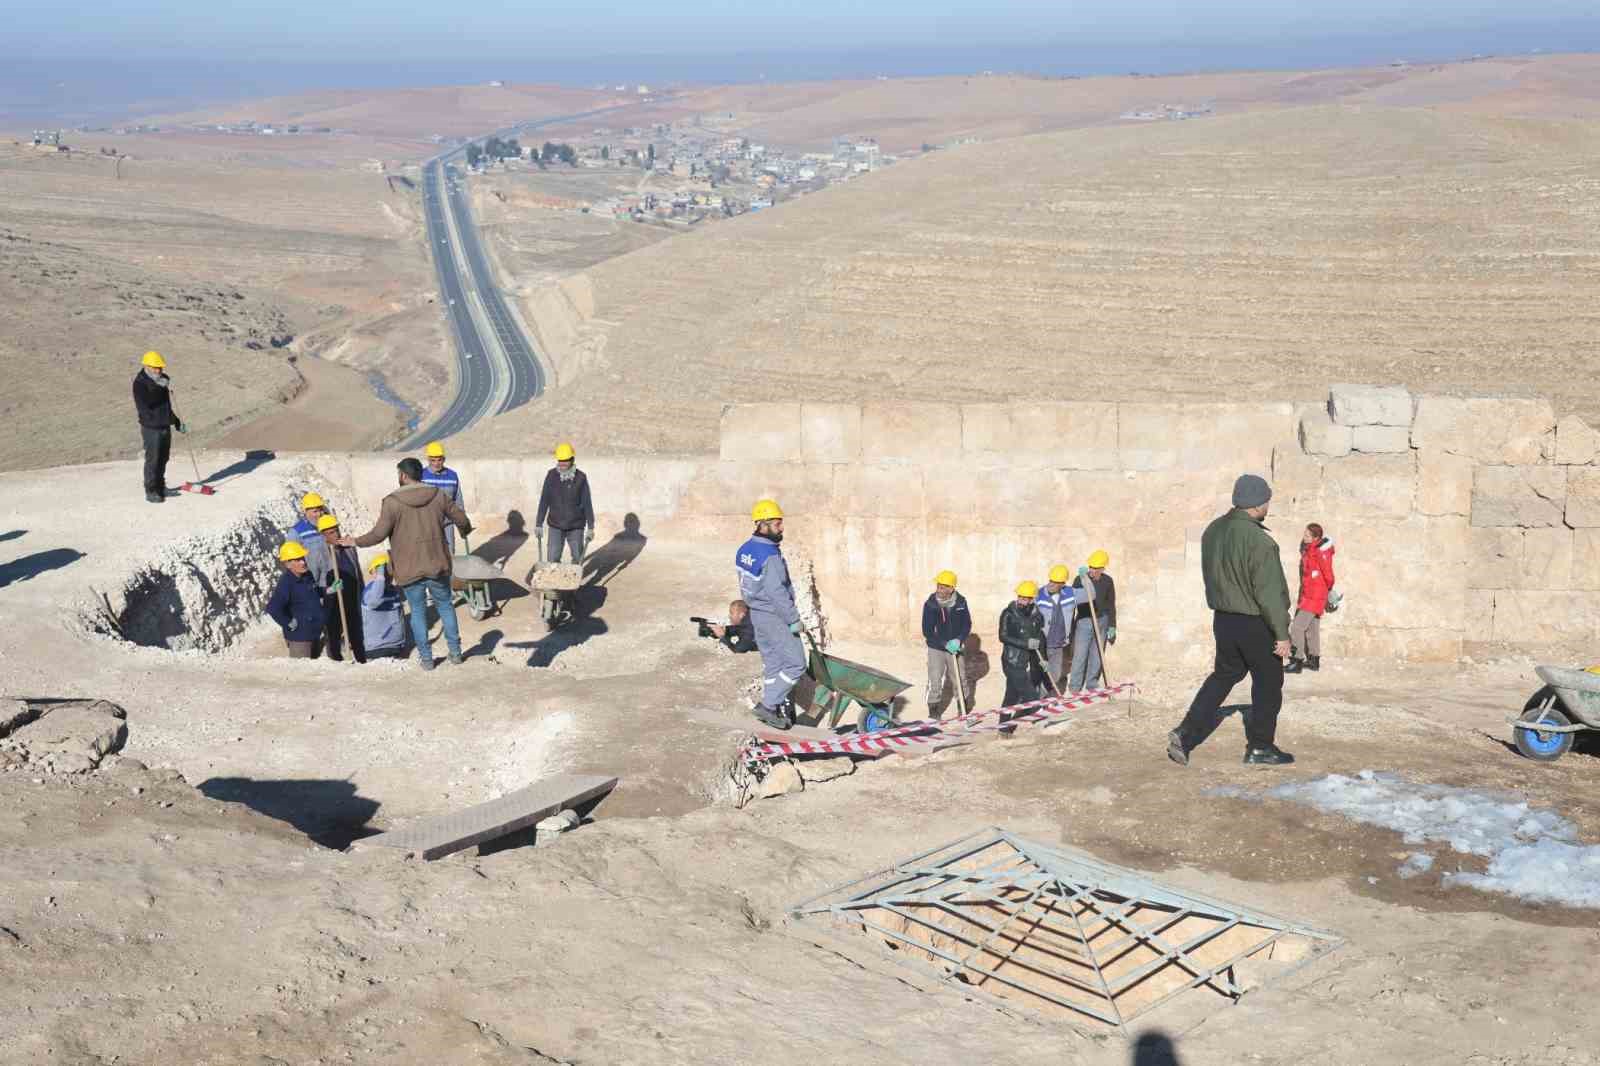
x=1533, y=853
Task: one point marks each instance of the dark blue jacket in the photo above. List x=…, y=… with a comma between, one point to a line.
x=941, y=625
x=296, y=606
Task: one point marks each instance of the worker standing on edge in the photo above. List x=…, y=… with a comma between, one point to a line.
x=1055, y=605
x=296, y=604
x=1022, y=640
x=1086, y=665
x=344, y=593
x=383, y=630
x=564, y=502
x=1246, y=590
x=446, y=481
x=152, y=398
x=765, y=587
x=412, y=519
x=946, y=624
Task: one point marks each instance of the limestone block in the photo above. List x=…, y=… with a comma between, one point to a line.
x=1022, y=497
x=1498, y=430
x=1369, y=486
x=1586, y=559
x=1370, y=405
x=1232, y=437
x=886, y=490
x=1319, y=435
x=950, y=489
x=729, y=488
x=761, y=432
x=1444, y=483
x=1402, y=575
x=1296, y=482
x=813, y=771
x=990, y=432
x=1479, y=623
x=1526, y=496
x=1494, y=557
x=1583, y=498
x=1546, y=559
x=1576, y=443
x=1410, y=645
x=781, y=780
x=908, y=430
x=652, y=488
x=1071, y=436
x=1379, y=439
x=72, y=732
x=830, y=432
x=1527, y=616
x=1145, y=436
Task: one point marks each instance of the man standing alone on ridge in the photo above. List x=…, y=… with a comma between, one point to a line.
x=564, y=502
x=152, y=398
x=446, y=481
x=765, y=586
x=1249, y=596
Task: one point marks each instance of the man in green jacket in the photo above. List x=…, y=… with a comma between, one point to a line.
x=1249, y=596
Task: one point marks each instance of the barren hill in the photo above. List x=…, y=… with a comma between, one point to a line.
x=1250, y=256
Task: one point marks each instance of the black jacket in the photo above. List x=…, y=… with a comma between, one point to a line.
x=1105, y=600
x=741, y=637
x=941, y=625
x=154, y=403
x=1018, y=625
x=296, y=605
x=565, y=504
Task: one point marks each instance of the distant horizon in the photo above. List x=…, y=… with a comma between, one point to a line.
x=95, y=91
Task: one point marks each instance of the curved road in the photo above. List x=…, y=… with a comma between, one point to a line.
x=496, y=365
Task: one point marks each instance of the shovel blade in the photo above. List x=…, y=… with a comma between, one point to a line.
x=204, y=490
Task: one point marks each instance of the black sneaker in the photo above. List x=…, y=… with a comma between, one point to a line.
x=456, y=658
x=774, y=718
x=1314, y=662
x=426, y=664
x=1269, y=756
x=1294, y=666
x=151, y=497
x=1175, y=749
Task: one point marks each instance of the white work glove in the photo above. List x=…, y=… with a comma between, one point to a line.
x=1033, y=645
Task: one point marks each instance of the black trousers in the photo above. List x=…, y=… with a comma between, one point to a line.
x=157, y=449
x=1022, y=680
x=1244, y=646
x=333, y=625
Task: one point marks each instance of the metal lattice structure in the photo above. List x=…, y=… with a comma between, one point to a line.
x=1062, y=932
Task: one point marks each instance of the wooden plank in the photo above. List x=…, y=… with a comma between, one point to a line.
x=443, y=834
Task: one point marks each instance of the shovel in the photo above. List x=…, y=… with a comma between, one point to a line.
x=196, y=485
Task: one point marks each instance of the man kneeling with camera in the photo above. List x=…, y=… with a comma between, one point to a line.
x=739, y=635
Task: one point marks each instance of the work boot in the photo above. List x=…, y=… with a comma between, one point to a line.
x=153, y=498
x=426, y=664
x=1175, y=749
x=774, y=718
x=1294, y=665
x=1314, y=662
x=456, y=658
x=1271, y=755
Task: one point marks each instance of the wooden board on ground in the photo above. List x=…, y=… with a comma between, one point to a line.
x=443, y=834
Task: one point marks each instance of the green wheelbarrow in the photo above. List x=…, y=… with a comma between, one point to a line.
x=841, y=682
x=470, y=578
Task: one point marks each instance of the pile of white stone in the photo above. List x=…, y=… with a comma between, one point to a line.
x=67, y=737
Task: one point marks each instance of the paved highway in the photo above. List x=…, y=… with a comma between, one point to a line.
x=505, y=372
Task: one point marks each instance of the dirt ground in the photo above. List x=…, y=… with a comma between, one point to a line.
x=209, y=918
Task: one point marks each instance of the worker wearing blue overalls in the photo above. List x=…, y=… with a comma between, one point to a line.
x=446, y=481
x=765, y=586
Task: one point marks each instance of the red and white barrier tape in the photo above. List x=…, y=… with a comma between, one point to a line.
x=934, y=732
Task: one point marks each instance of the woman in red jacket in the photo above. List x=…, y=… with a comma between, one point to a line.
x=1316, y=581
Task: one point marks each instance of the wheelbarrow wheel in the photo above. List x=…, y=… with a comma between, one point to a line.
x=478, y=612
x=874, y=718
x=1541, y=746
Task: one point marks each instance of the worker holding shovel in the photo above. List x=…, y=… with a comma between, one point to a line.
x=152, y=399
x=946, y=624
x=343, y=594
x=1095, y=625
x=1022, y=639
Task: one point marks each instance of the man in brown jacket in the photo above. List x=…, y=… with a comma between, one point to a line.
x=412, y=519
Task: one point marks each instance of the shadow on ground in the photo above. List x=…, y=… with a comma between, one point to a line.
x=31, y=566
x=328, y=811
x=615, y=555
x=1155, y=1049
x=252, y=459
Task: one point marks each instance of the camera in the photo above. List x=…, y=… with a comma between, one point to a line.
x=705, y=625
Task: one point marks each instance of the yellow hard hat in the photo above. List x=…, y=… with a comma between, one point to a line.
x=310, y=500
x=327, y=522
x=1028, y=589
x=1099, y=559
x=153, y=359
x=945, y=577
x=381, y=559
x=434, y=450
x=563, y=452
x=1593, y=669
x=766, y=510
x=291, y=549
x=1060, y=574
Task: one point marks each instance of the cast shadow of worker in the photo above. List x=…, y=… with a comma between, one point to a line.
x=13, y=534
x=1223, y=714
x=1155, y=1049
x=584, y=625
x=255, y=457
x=329, y=812
x=615, y=555
x=499, y=548
x=31, y=566
x=487, y=643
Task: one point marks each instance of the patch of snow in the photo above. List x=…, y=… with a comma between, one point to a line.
x=1416, y=864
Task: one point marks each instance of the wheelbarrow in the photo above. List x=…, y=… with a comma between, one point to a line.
x=841, y=682
x=557, y=585
x=1568, y=703
x=470, y=578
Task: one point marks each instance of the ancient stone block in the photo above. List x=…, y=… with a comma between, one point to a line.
x=1526, y=496
x=1498, y=430
x=1402, y=575
x=1023, y=497
x=989, y=432
x=1444, y=483
x=949, y=489
x=761, y=432
x=1370, y=405
x=1586, y=559
x=1145, y=437
x=1527, y=616
x=729, y=488
x=73, y=732
x=1231, y=437
x=1370, y=486
x=1478, y=625
x=830, y=432
x=1376, y=642
x=1069, y=436
x=1546, y=559
x=1494, y=557
x=813, y=771
x=1576, y=443
x=1381, y=438
x=889, y=490
x=781, y=780
x=1319, y=435
x=1583, y=498
x=907, y=430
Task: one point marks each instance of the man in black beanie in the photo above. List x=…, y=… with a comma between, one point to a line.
x=1249, y=598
